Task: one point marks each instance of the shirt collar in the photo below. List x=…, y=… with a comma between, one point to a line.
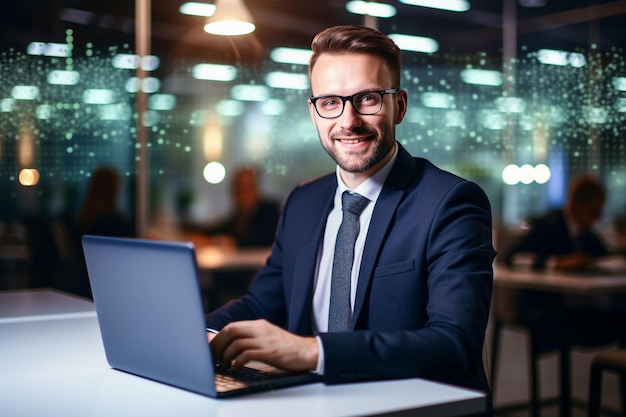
x=371, y=187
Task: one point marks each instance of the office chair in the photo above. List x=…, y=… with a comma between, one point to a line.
x=610, y=361
x=505, y=316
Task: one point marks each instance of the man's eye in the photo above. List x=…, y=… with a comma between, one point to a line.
x=331, y=102
x=368, y=99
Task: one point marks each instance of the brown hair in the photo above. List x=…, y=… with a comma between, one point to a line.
x=357, y=39
x=101, y=196
x=585, y=188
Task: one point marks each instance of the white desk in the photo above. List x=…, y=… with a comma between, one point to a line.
x=42, y=304
x=58, y=368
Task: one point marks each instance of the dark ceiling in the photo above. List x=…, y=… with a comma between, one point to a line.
x=560, y=24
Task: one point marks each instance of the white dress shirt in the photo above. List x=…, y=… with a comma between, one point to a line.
x=369, y=189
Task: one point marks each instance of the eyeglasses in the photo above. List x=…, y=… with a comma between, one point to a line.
x=365, y=103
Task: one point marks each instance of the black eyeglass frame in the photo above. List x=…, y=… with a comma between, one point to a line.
x=382, y=93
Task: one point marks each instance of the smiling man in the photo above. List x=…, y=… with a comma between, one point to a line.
x=418, y=281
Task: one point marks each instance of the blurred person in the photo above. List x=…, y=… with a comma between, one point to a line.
x=251, y=224
x=564, y=238
x=417, y=299
x=58, y=248
x=99, y=213
x=253, y=220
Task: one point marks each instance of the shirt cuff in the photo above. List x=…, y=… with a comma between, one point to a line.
x=320, y=357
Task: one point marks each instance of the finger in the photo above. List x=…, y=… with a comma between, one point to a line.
x=225, y=338
x=239, y=348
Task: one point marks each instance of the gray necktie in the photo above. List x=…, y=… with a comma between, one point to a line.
x=339, y=315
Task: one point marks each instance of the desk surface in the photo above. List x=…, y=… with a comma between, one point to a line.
x=58, y=368
x=42, y=304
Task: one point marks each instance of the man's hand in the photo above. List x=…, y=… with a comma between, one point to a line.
x=258, y=340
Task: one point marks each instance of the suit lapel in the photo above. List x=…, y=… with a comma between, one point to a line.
x=301, y=303
x=390, y=197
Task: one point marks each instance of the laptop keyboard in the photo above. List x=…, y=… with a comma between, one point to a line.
x=228, y=378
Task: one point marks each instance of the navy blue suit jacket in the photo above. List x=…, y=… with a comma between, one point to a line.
x=425, y=283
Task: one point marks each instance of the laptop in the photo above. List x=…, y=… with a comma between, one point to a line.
x=151, y=316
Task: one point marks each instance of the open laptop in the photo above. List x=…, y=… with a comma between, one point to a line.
x=151, y=316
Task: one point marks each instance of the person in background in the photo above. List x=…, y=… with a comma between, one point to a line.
x=418, y=295
x=251, y=224
x=99, y=213
x=564, y=238
x=253, y=221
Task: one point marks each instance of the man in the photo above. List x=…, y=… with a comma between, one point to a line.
x=422, y=272
x=253, y=220
x=564, y=238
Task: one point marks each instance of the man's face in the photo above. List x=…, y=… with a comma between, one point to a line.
x=359, y=144
x=587, y=213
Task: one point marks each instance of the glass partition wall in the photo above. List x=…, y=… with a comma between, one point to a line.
x=521, y=126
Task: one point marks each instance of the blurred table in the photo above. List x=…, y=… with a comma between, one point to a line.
x=226, y=272
x=57, y=367
x=608, y=278
x=18, y=306
x=213, y=258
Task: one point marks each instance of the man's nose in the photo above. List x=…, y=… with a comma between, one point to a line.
x=350, y=117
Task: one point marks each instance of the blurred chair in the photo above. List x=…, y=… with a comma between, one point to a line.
x=609, y=361
x=511, y=310
x=55, y=254
x=505, y=315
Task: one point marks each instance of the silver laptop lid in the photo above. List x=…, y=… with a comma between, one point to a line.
x=150, y=310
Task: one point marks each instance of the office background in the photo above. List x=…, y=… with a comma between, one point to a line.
x=519, y=96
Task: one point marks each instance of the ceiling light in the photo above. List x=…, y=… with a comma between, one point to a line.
x=7, y=105
x=450, y=5
x=438, y=100
x=194, y=8
x=43, y=112
x=214, y=72
x=619, y=83
x=291, y=56
x=98, y=96
x=162, y=102
x=561, y=58
x=62, y=77
x=247, y=92
x=371, y=8
x=231, y=18
x=415, y=43
x=25, y=92
x=482, y=77
x=59, y=50
x=510, y=104
x=231, y=108
x=279, y=79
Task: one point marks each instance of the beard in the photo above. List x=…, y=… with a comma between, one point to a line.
x=360, y=161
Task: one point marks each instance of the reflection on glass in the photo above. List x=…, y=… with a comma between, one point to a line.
x=64, y=118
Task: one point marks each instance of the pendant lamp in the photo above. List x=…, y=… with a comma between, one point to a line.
x=231, y=18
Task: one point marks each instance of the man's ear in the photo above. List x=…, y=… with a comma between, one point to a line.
x=402, y=103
